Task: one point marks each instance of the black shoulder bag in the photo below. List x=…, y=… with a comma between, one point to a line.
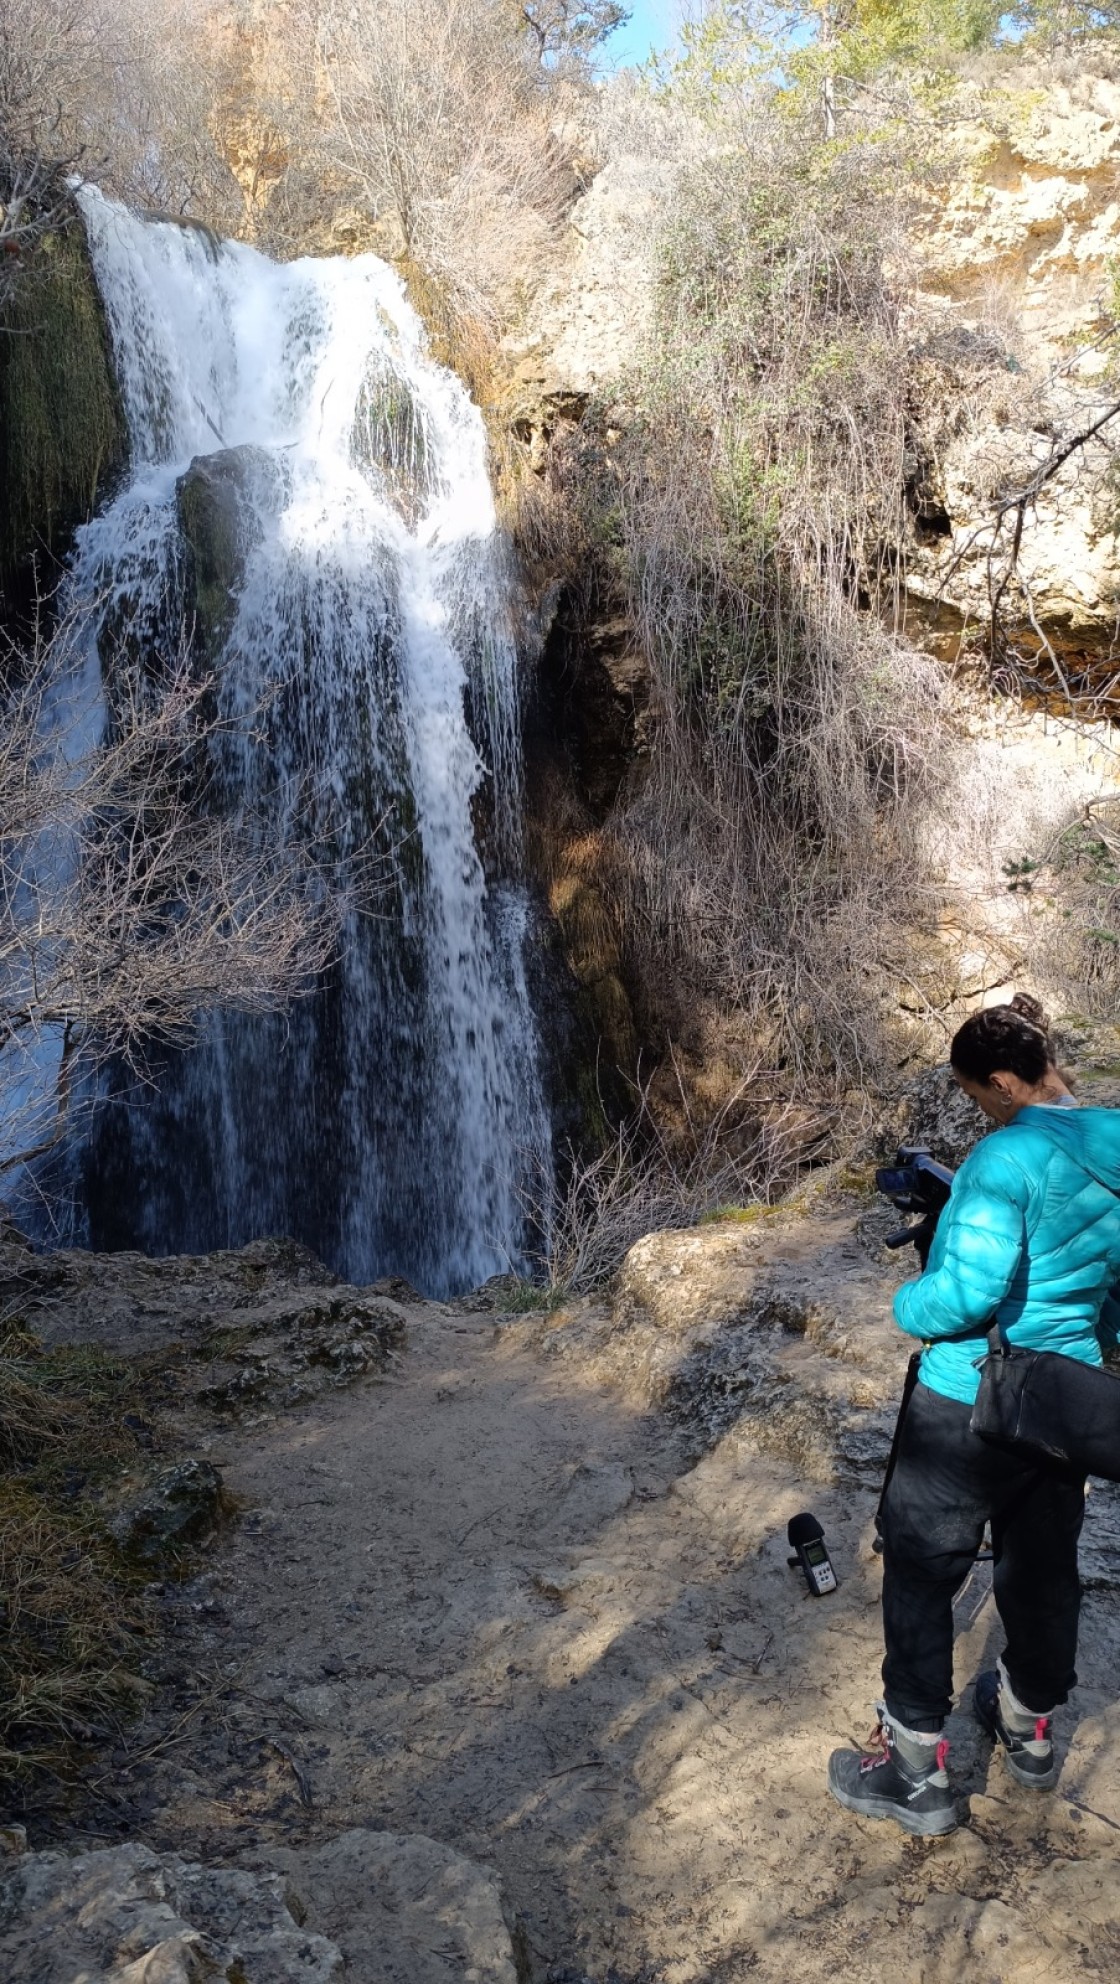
x=1050, y=1407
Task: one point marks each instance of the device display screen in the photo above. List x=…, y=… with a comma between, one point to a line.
x=815, y=1553
x=889, y=1182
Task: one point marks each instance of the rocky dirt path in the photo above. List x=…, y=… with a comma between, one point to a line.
x=498, y=1601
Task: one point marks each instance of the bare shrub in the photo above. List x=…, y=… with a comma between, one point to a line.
x=647, y=1176
x=45, y=49
x=122, y=91
x=71, y=1634
x=440, y=115
x=1071, y=892
x=129, y=907
x=154, y=119
x=73, y=1623
x=769, y=855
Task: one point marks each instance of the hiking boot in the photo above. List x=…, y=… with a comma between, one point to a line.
x=1025, y=1736
x=897, y=1777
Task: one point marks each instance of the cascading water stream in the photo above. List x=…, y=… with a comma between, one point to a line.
x=309, y=493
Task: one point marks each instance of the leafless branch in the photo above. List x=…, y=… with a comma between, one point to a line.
x=129, y=906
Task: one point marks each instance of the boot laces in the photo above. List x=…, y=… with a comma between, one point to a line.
x=877, y=1749
x=878, y=1739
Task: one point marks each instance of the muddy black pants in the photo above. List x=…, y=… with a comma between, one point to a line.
x=946, y=1484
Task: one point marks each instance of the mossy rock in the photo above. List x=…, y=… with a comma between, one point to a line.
x=390, y=435
x=63, y=439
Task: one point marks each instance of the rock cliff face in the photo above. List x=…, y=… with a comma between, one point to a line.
x=1012, y=284
x=1014, y=357
x=1027, y=226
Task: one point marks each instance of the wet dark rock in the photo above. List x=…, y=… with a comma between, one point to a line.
x=218, y=498
x=63, y=437
x=182, y=1507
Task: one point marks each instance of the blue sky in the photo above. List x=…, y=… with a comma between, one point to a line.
x=652, y=24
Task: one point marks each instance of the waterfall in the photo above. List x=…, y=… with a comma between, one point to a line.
x=290, y=429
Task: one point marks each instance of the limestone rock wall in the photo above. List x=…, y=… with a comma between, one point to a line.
x=1015, y=292
x=1026, y=229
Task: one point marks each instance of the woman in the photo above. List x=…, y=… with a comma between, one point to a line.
x=1030, y=1239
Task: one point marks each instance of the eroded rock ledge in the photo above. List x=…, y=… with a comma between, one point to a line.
x=374, y=1907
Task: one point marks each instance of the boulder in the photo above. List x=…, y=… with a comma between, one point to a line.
x=766, y=1326
x=373, y=1907
x=220, y=499
x=404, y=1909
x=123, y=1915
x=699, y=1277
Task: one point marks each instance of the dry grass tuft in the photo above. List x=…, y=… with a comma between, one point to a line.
x=69, y=1626
x=73, y=1619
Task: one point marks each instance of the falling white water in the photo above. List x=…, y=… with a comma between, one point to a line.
x=394, y=1120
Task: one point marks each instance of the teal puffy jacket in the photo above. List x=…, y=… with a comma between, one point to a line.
x=1030, y=1239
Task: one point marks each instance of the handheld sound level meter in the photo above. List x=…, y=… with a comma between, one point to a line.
x=806, y=1540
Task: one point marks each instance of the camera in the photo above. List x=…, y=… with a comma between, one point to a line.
x=915, y=1182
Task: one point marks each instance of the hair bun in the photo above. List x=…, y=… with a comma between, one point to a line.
x=1030, y=1010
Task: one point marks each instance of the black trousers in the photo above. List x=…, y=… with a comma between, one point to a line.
x=947, y=1483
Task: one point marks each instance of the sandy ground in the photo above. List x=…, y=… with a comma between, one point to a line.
x=497, y=1601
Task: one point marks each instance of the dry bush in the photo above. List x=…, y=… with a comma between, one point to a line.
x=129, y=907
x=153, y=124
x=31, y=1418
x=46, y=48
x=440, y=115
x=120, y=91
x=769, y=855
x=646, y=1177
x=1071, y=892
x=67, y=1635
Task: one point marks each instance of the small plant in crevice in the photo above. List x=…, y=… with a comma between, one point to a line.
x=523, y=1297
x=1071, y=897
x=1021, y=874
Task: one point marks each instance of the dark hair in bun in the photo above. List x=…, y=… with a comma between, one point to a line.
x=1010, y=1040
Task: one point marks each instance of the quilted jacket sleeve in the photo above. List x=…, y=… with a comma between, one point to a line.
x=1108, y=1329
x=978, y=1247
